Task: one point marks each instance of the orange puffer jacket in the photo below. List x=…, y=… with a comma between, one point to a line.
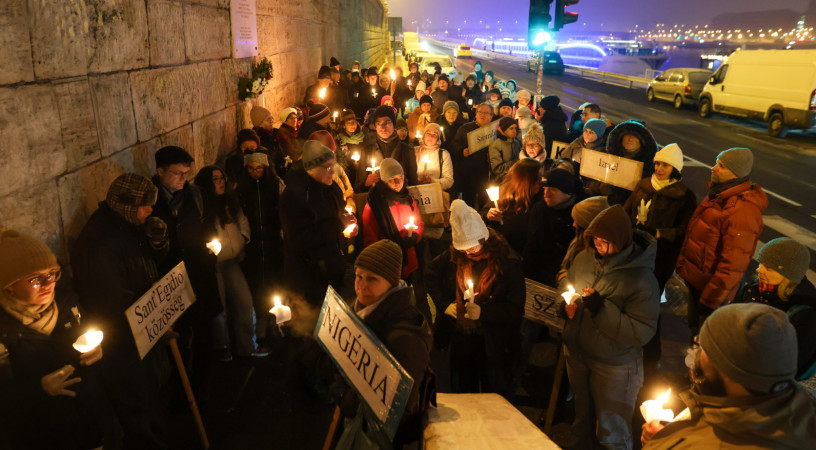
x=720, y=241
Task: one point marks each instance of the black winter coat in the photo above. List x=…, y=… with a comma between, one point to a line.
x=470, y=173
x=310, y=215
x=375, y=148
x=550, y=233
x=264, y=251
x=554, y=124
x=449, y=131
x=646, y=154
x=29, y=417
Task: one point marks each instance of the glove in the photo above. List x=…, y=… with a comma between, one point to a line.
x=451, y=310
x=474, y=311
x=156, y=230
x=410, y=241
x=643, y=211
x=593, y=302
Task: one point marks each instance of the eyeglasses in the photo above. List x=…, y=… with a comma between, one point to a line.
x=41, y=280
x=179, y=174
x=255, y=168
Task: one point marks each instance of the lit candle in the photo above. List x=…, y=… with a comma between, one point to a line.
x=470, y=102
x=393, y=75
x=355, y=157
x=406, y=105
x=373, y=92
x=214, y=246
x=349, y=209
x=469, y=294
x=426, y=159
x=373, y=167
x=334, y=116
x=409, y=82
x=282, y=312
x=570, y=295
x=349, y=229
x=653, y=409
x=88, y=341
x=418, y=135
x=322, y=93
x=493, y=194
x=410, y=226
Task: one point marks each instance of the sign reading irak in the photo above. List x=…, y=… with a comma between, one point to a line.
x=481, y=138
x=151, y=316
x=364, y=361
x=621, y=172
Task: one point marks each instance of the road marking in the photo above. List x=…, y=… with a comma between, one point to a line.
x=780, y=197
x=810, y=274
x=656, y=110
x=813, y=215
x=696, y=162
x=753, y=138
x=791, y=230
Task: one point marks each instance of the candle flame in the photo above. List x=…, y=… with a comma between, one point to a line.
x=470, y=284
x=409, y=82
x=88, y=341
x=569, y=295
x=282, y=312
x=276, y=300
x=349, y=209
x=373, y=91
x=653, y=409
x=393, y=75
x=214, y=246
x=355, y=156
x=493, y=193
x=322, y=93
x=335, y=114
x=418, y=134
x=426, y=159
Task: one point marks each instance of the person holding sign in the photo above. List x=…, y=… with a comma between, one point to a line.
x=384, y=304
x=607, y=328
x=478, y=288
x=553, y=120
x=50, y=397
x=631, y=140
x=591, y=138
x=504, y=151
x=471, y=169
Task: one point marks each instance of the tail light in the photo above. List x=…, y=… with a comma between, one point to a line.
x=813, y=100
x=688, y=89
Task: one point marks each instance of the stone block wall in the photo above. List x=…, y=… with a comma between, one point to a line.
x=90, y=89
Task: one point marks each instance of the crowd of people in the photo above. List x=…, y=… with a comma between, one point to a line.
x=324, y=197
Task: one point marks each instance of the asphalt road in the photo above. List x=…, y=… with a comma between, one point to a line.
x=784, y=168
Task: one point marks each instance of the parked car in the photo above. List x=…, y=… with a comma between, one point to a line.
x=681, y=86
x=776, y=86
x=427, y=63
x=463, y=51
x=552, y=63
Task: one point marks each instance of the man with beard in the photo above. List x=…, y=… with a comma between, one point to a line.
x=744, y=395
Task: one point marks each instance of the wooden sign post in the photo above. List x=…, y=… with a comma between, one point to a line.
x=481, y=138
x=364, y=362
x=615, y=170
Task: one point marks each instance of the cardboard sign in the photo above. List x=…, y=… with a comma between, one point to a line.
x=557, y=150
x=542, y=305
x=621, y=172
x=244, y=28
x=151, y=316
x=481, y=138
x=364, y=361
x=537, y=101
x=428, y=197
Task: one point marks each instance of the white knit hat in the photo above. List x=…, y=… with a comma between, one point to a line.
x=467, y=227
x=421, y=86
x=671, y=155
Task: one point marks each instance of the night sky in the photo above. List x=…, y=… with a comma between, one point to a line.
x=614, y=15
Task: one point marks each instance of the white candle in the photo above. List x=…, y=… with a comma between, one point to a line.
x=335, y=116
x=493, y=194
x=282, y=312
x=355, y=157
x=470, y=101
x=409, y=82
x=426, y=159
x=322, y=93
x=406, y=105
x=373, y=92
x=88, y=341
x=349, y=209
x=570, y=295
x=469, y=294
x=410, y=226
x=373, y=167
x=393, y=76
x=418, y=135
x=214, y=246
x=349, y=229
x=653, y=409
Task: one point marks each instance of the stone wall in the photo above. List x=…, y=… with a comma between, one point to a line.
x=90, y=89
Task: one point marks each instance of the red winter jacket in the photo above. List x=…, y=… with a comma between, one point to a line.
x=402, y=215
x=720, y=242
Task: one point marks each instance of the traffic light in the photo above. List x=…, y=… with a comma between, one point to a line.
x=538, y=26
x=563, y=17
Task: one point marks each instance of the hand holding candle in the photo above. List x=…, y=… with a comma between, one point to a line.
x=653, y=409
x=214, y=246
x=88, y=341
x=349, y=209
x=282, y=312
x=410, y=226
x=569, y=297
x=373, y=167
x=426, y=159
x=355, y=157
x=493, y=194
x=322, y=93
x=472, y=310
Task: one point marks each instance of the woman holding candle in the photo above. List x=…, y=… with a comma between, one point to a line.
x=50, y=397
x=449, y=122
x=413, y=103
x=421, y=117
x=518, y=193
x=480, y=323
x=350, y=140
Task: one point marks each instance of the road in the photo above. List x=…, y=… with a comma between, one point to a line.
x=784, y=168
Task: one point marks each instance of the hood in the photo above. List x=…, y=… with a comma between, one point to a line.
x=639, y=255
x=648, y=144
x=785, y=419
x=555, y=114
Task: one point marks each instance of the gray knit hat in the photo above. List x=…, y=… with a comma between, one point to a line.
x=315, y=154
x=584, y=212
x=384, y=258
x=467, y=228
x=256, y=157
x=450, y=104
x=737, y=160
x=128, y=192
x=390, y=167
x=753, y=344
x=786, y=256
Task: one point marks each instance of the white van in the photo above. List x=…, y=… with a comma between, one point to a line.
x=776, y=86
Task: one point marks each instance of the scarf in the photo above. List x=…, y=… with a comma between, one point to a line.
x=481, y=267
x=40, y=318
x=380, y=199
x=660, y=184
x=718, y=188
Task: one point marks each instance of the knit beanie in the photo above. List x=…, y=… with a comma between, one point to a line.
x=786, y=256
x=506, y=102
x=426, y=99
x=671, y=155
x=523, y=94
x=325, y=138
x=333, y=61
x=550, y=102
x=258, y=114
x=385, y=111
x=347, y=114
x=597, y=126
x=22, y=255
x=324, y=73
x=613, y=225
x=560, y=179
x=585, y=211
x=450, y=104
x=257, y=158
x=248, y=135
x=384, y=258
x=467, y=228
x=505, y=93
x=286, y=113
x=524, y=112
x=315, y=154
x=433, y=126
x=753, y=344
x=495, y=91
x=318, y=111
x=401, y=124
x=128, y=192
x=371, y=71
x=421, y=86
x=169, y=155
x=534, y=134
x=737, y=160
x=390, y=167
x=506, y=122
